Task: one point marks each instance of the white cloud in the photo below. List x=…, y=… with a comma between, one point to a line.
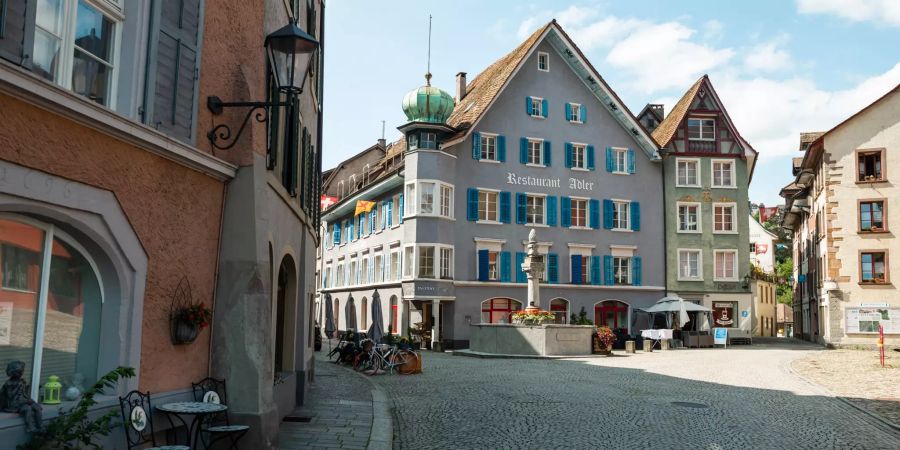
x=713, y=29
x=767, y=57
x=880, y=11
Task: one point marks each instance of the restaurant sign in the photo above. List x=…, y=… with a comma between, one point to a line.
x=723, y=314
x=549, y=182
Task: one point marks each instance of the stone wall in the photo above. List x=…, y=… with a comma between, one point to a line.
x=532, y=340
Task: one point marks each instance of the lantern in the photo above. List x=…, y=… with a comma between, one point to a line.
x=289, y=50
x=52, y=389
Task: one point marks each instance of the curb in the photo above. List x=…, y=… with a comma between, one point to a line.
x=381, y=435
x=471, y=354
x=892, y=427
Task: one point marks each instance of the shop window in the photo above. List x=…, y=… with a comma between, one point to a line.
x=499, y=310
x=61, y=336
x=870, y=165
x=612, y=314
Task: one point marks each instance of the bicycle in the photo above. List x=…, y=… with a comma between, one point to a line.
x=391, y=358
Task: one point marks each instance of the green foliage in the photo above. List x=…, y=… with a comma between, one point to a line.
x=74, y=430
x=580, y=319
x=784, y=269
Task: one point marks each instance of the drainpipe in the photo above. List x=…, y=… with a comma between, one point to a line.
x=216, y=277
x=662, y=153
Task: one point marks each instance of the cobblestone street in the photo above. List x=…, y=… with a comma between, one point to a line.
x=743, y=397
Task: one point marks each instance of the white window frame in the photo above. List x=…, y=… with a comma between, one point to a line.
x=617, y=154
x=354, y=271
x=492, y=246
x=378, y=275
x=697, y=165
x=583, y=148
x=408, y=266
x=546, y=60
x=364, y=268
x=537, y=107
x=712, y=173
x=486, y=209
x=448, y=266
x=540, y=152
x=736, y=267
x=412, y=201
x=702, y=136
x=415, y=266
x=734, y=214
x=394, y=273
x=396, y=214
x=699, y=252
x=587, y=212
x=68, y=18
x=627, y=206
x=423, y=140
x=585, y=251
x=420, y=253
x=484, y=156
x=628, y=267
x=575, y=111
x=699, y=206
x=339, y=276
x=543, y=223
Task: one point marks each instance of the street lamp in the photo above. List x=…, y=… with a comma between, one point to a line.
x=288, y=50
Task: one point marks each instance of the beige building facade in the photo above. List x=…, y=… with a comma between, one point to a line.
x=842, y=207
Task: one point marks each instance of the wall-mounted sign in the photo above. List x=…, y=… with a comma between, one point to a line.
x=867, y=320
x=723, y=314
x=428, y=289
x=549, y=182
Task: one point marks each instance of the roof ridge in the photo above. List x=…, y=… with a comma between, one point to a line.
x=666, y=129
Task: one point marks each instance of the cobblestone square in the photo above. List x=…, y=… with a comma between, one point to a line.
x=742, y=397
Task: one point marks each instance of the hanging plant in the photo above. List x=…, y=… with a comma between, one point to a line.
x=186, y=317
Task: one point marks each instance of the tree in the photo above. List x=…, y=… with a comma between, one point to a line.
x=784, y=291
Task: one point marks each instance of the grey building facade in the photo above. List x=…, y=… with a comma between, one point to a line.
x=536, y=141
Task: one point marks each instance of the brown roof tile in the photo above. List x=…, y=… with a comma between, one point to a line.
x=485, y=87
x=664, y=132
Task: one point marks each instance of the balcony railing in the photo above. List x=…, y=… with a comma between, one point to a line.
x=702, y=146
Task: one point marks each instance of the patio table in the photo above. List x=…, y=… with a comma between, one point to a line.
x=196, y=409
x=656, y=335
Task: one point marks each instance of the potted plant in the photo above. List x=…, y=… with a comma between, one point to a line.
x=603, y=341
x=188, y=321
x=403, y=343
x=532, y=317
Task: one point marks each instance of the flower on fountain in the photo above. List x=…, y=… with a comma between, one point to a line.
x=533, y=317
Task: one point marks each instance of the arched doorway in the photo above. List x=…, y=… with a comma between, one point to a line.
x=612, y=314
x=364, y=313
x=560, y=308
x=499, y=310
x=285, y=315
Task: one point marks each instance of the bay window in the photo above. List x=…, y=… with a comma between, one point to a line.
x=446, y=263
x=408, y=261
x=426, y=262
x=434, y=199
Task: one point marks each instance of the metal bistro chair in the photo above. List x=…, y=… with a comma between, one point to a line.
x=216, y=427
x=137, y=420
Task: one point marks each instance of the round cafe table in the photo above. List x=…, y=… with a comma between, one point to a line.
x=196, y=409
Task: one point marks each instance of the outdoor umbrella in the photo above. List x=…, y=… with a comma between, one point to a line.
x=376, y=330
x=683, y=316
x=329, y=317
x=350, y=313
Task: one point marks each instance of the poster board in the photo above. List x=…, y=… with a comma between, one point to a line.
x=720, y=336
x=865, y=320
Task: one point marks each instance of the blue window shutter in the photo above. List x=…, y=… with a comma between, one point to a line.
x=400, y=212
x=590, y=157
x=350, y=235
x=523, y=150
x=565, y=212
x=568, y=153
x=471, y=206
x=594, y=213
x=521, y=207
x=636, y=270
x=476, y=146
x=583, y=114
x=504, y=267
x=337, y=234
x=520, y=275
x=547, y=153
x=630, y=161
x=361, y=228
x=595, y=271
x=608, y=269
x=501, y=148
x=375, y=220
x=576, y=269
x=505, y=206
x=551, y=210
x=568, y=110
x=484, y=260
x=528, y=106
x=635, y=216
x=390, y=213
x=610, y=163
x=553, y=267
x=607, y=214
x=544, y=108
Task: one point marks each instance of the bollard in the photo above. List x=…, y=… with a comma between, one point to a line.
x=648, y=345
x=664, y=344
x=629, y=346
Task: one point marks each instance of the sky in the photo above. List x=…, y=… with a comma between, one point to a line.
x=781, y=67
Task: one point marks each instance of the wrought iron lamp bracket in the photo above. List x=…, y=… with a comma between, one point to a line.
x=221, y=136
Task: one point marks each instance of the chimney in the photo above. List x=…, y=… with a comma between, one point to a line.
x=659, y=109
x=460, y=86
x=382, y=143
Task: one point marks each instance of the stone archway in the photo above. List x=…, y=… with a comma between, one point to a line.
x=285, y=311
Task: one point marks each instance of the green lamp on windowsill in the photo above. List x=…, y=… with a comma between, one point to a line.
x=52, y=389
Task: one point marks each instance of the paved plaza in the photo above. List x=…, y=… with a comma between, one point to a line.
x=743, y=397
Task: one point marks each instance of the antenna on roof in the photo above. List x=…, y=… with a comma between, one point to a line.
x=382, y=130
x=428, y=66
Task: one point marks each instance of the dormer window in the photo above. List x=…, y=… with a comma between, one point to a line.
x=701, y=129
x=429, y=140
x=543, y=61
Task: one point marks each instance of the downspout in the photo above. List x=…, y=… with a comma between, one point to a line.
x=665, y=233
x=216, y=275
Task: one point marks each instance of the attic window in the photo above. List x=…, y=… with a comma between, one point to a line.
x=543, y=61
x=701, y=129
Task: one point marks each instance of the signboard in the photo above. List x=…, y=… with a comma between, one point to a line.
x=867, y=320
x=723, y=314
x=761, y=249
x=549, y=182
x=720, y=336
x=6, y=310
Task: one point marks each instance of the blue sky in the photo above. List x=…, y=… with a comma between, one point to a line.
x=781, y=67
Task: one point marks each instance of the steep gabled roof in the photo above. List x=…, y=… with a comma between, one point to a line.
x=666, y=130
x=484, y=89
x=821, y=137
